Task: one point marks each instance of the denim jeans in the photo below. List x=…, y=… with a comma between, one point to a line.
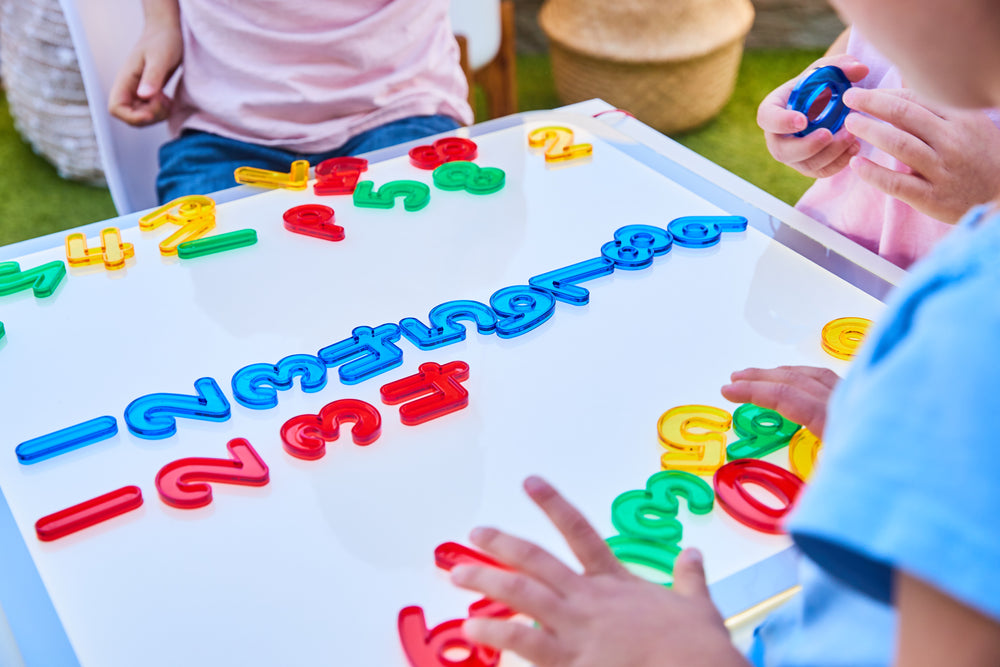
x=200, y=163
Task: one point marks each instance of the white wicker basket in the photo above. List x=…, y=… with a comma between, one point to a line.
x=44, y=89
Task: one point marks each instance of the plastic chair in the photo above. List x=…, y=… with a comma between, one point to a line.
x=104, y=32
x=487, y=46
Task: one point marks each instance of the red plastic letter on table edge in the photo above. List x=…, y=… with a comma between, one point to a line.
x=446, y=149
x=441, y=382
x=314, y=220
x=339, y=175
x=731, y=495
x=88, y=513
x=426, y=648
x=184, y=483
x=305, y=436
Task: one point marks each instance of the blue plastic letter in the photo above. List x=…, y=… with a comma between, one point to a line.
x=256, y=386
x=377, y=350
x=563, y=282
x=444, y=329
x=521, y=308
x=153, y=416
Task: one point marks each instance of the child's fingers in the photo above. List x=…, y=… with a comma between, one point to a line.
x=820, y=168
x=790, y=401
x=822, y=163
x=899, y=108
x=518, y=591
x=533, y=644
x=894, y=140
x=525, y=557
x=790, y=149
x=905, y=187
x=824, y=378
x=689, y=575
x=592, y=551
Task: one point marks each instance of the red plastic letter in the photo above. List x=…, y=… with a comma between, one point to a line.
x=441, y=382
x=339, y=175
x=183, y=483
x=426, y=648
x=88, y=513
x=313, y=220
x=730, y=491
x=305, y=436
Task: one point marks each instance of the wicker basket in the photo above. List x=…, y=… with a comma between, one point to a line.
x=672, y=63
x=44, y=88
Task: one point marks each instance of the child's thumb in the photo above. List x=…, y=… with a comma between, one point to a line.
x=153, y=77
x=689, y=574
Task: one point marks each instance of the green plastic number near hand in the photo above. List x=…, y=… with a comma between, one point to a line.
x=651, y=514
x=761, y=432
x=659, y=556
x=416, y=195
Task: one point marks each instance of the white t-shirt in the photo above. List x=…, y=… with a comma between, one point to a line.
x=307, y=76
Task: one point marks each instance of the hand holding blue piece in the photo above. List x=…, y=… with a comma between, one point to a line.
x=805, y=94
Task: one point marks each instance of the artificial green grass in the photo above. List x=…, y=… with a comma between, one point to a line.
x=35, y=201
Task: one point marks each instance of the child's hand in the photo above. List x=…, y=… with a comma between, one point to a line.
x=137, y=96
x=818, y=154
x=954, y=155
x=799, y=393
x=601, y=618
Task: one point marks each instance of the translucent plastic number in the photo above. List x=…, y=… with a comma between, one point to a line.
x=521, y=308
x=694, y=437
x=635, y=246
x=731, y=481
x=702, y=231
x=443, y=150
x=444, y=328
x=470, y=177
x=651, y=513
x=803, y=449
x=761, y=432
x=314, y=220
x=558, y=144
x=339, y=175
x=843, y=336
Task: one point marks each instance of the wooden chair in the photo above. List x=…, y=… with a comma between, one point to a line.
x=498, y=76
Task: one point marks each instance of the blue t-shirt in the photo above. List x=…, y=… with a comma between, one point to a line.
x=906, y=479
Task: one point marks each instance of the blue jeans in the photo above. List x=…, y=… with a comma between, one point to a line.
x=198, y=162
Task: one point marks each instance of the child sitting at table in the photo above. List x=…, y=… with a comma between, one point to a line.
x=905, y=506
x=901, y=172
x=263, y=83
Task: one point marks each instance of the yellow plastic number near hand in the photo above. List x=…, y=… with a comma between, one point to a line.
x=802, y=451
x=694, y=437
x=843, y=336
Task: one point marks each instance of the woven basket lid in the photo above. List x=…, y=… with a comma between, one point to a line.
x=646, y=30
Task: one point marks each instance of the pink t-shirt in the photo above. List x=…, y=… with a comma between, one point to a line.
x=865, y=214
x=308, y=76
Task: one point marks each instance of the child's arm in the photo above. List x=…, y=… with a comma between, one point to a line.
x=137, y=96
x=799, y=393
x=818, y=154
x=954, y=154
x=936, y=629
x=604, y=617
